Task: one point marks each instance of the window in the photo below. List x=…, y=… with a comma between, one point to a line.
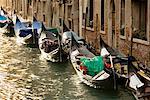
x=60, y=11
x=88, y=14
x=70, y=24
x=60, y=21
x=122, y=19
x=69, y=1
x=44, y=6
x=102, y=15
x=44, y=19
x=30, y=2
x=21, y=6
x=35, y=14
x=139, y=19
x=69, y=11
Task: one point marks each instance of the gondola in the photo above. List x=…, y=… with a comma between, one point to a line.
x=135, y=76
x=27, y=32
x=4, y=19
x=97, y=76
x=120, y=60
x=50, y=45
x=139, y=79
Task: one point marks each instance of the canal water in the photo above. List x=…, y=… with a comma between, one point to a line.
x=25, y=76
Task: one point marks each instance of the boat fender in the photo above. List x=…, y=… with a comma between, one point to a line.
x=84, y=69
x=135, y=82
x=107, y=65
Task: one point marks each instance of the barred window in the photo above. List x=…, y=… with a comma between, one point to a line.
x=102, y=15
x=122, y=19
x=88, y=14
x=139, y=19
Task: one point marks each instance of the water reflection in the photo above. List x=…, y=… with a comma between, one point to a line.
x=23, y=76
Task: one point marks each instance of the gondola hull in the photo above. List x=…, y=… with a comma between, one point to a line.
x=52, y=56
x=130, y=74
x=27, y=33
x=2, y=25
x=141, y=87
x=103, y=84
x=51, y=52
x=4, y=19
x=103, y=79
x=25, y=36
x=3, y=22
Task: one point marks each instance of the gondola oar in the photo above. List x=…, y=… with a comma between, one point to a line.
x=71, y=42
x=114, y=76
x=60, y=49
x=131, y=45
x=33, y=32
x=102, y=45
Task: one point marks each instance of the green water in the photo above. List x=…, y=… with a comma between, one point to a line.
x=24, y=76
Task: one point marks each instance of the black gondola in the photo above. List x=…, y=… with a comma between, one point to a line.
x=101, y=78
x=50, y=45
x=27, y=32
x=131, y=73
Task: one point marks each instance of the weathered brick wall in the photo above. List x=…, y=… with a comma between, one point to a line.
x=140, y=51
x=92, y=37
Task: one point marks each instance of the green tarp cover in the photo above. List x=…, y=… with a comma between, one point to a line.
x=94, y=65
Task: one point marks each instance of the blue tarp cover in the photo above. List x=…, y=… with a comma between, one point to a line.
x=2, y=18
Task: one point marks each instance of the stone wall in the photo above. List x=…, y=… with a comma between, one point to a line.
x=48, y=11
x=141, y=49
